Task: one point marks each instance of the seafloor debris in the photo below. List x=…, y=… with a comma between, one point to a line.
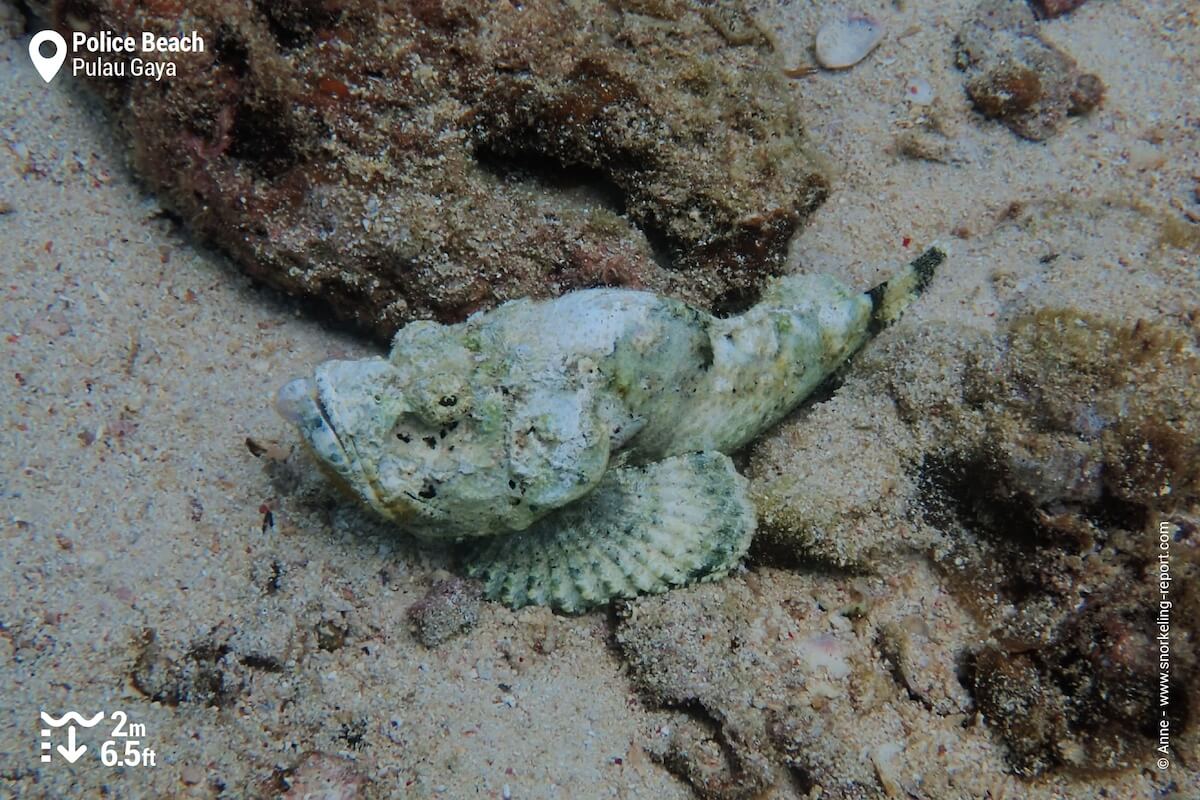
x=1018, y=78
x=493, y=427
x=921, y=145
x=844, y=41
x=804, y=680
x=205, y=673
x=215, y=668
x=1038, y=469
x=918, y=91
x=427, y=160
x=323, y=775
x=1049, y=9
x=449, y=608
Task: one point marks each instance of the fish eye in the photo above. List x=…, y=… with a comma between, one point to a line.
x=441, y=399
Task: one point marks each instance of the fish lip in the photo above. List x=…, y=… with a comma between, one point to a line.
x=327, y=419
x=364, y=483
x=308, y=405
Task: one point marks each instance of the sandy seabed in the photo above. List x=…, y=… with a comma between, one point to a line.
x=138, y=528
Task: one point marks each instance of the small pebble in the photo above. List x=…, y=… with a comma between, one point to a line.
x=191, y=775
x=1055, y=8
x=918, y=92
x=846, y=41
x=449, y=608
x=394, y=730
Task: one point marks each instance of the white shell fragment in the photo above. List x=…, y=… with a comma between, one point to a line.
x=845, y=41
x=580, y=444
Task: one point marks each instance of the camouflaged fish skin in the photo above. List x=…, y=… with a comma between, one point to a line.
x=579, y=444
x=484, y=427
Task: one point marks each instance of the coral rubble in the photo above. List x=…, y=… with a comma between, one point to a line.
x=1041, y=466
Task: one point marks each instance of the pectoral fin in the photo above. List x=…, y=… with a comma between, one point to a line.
x=643, y=530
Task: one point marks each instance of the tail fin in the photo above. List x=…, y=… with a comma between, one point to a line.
x=890, y=298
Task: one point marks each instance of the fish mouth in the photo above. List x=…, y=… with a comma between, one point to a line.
x=305, y=404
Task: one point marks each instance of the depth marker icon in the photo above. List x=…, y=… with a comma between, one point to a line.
x=72, y=751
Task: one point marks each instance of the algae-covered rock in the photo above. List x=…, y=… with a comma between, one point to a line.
x=1017, y=77
x=1037, y=466
x=1082, y=409
x=405, y=160
x=782, y=682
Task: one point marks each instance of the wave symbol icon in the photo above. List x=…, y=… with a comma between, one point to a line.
x=72, y=716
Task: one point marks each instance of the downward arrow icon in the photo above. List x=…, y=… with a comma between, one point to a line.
x=71, y=753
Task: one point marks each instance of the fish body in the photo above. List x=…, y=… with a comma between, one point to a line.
x=488, y=428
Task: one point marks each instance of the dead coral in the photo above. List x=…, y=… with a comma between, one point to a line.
x=1018, y=78
x=427, y=160
x=792, y=685
x=1090, y=437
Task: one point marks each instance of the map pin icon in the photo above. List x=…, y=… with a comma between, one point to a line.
x=48, y=67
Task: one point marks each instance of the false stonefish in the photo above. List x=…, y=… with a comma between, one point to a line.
x=579, y=445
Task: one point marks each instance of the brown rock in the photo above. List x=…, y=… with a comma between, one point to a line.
x=1018, y=78
x=1048, y=9
x=430, y=159
x=1082, y=699
x=1028, y=714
